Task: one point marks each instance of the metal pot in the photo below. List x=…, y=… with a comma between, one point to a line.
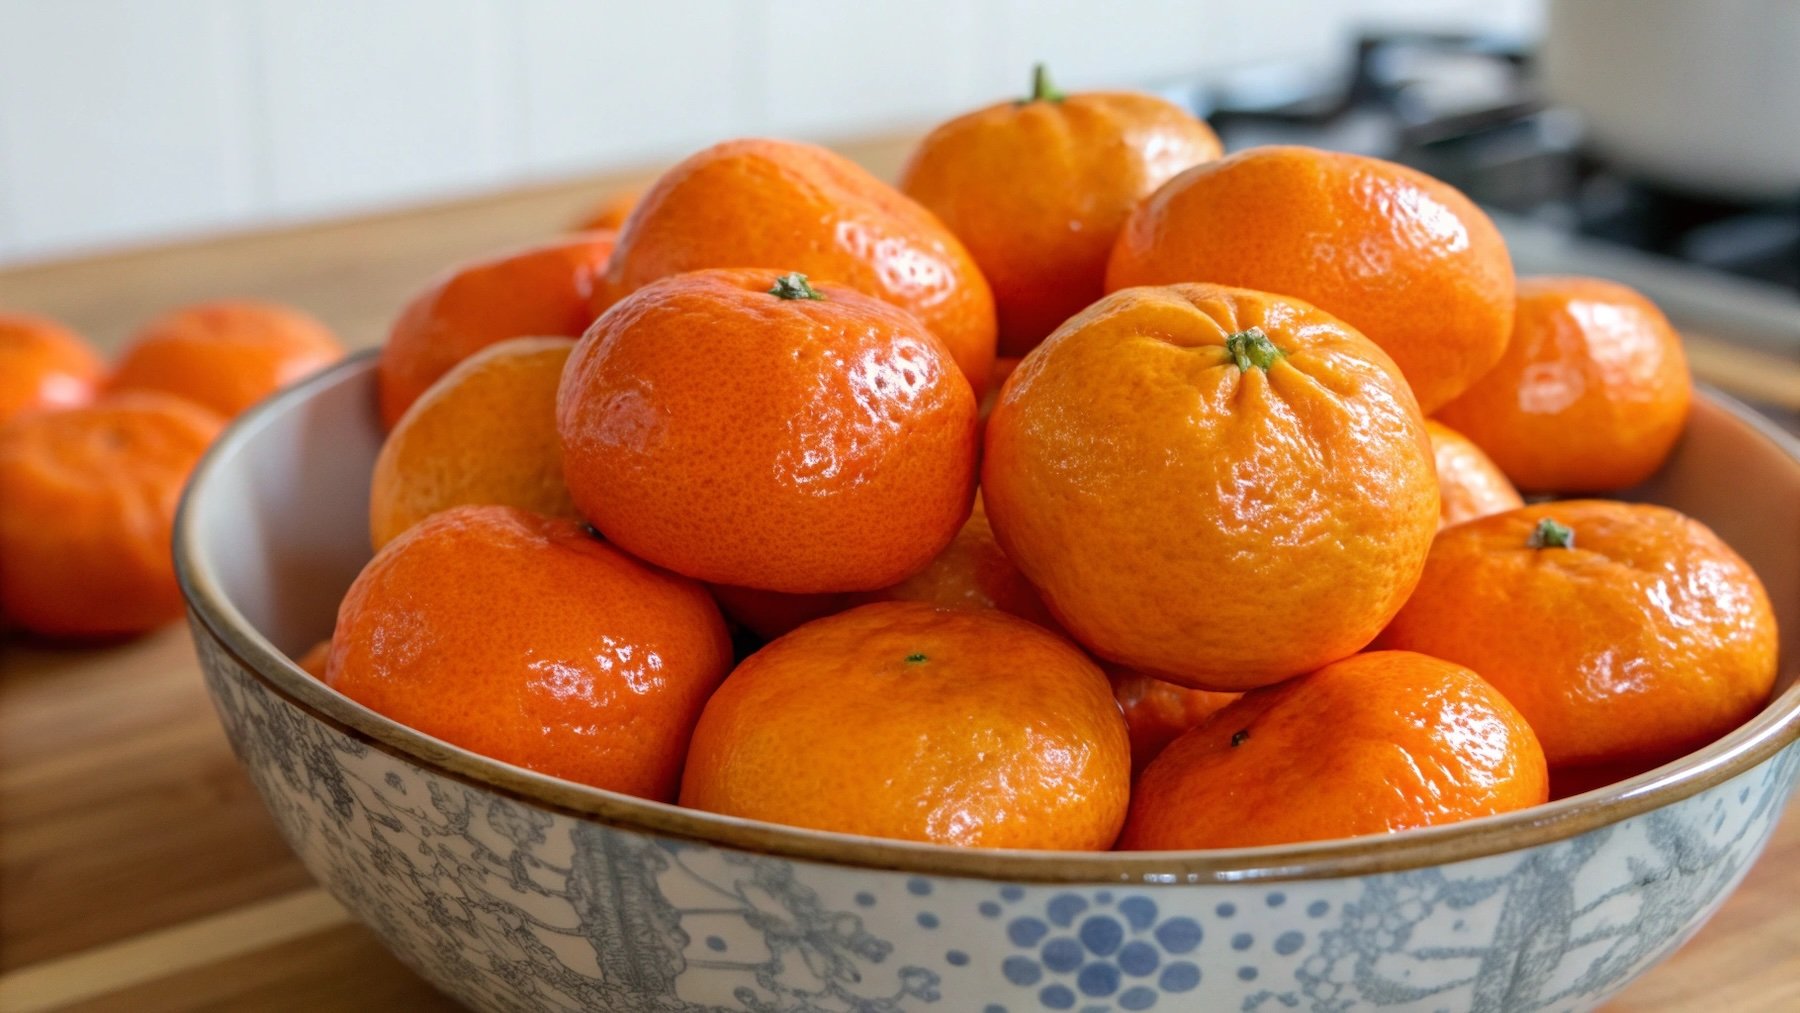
x=1702, y=95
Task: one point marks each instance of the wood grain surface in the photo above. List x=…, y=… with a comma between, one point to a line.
x=138, y=871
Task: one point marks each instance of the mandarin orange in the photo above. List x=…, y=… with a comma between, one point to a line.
x=1379, y=742
x=971, y=572
x=43, y=365
x=1405, y=259
x=525, y=639
x=544, y=290
x=769, y=614
x=1470, y=484
x=484, y=433
x=818, y=440
x=87, y=507
x=1157, y=712
x=1591, y=395
x=1038, y=190
x=796, y=207
x=1626, y=633
x=612, y=212
x=1215, y=486
x=225, y=356
x=901, y=720
x=315, y=660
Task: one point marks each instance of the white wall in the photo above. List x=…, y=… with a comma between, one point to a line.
x=130, y=121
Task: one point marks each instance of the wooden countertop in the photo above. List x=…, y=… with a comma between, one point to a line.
x=138, y=871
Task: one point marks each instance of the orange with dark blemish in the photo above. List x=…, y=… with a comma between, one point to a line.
x=525, y=639
x=1640, y=639
x=900, y=720
x=730, y=426
x=797, y=207
x=1218, y=487
x=1402, y=257
x=1379, y=742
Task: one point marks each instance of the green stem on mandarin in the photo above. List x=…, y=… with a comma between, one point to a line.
x=1550, y=535
x=915, y=658
x=1041, y=88
x=1252, y=348
x=795, y=286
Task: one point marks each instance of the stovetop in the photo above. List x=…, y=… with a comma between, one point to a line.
x=1467, y=110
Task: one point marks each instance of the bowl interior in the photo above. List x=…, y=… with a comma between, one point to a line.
x=275, y=528
x=284, y=525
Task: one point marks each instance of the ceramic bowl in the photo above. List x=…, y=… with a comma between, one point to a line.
x=510, y=890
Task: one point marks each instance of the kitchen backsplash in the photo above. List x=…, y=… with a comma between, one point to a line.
x=124, y=122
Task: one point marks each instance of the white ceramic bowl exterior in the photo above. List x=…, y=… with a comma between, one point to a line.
x=510, y=904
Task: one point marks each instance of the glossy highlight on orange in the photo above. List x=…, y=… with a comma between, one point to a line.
x=902, y=720
x=1379, y=742
x=819, y=439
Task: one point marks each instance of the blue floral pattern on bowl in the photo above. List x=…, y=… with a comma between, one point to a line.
x=511, y=907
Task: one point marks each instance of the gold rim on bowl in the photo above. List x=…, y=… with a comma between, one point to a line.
x=1774, y=728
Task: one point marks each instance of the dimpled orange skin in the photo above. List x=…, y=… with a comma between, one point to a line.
x=1402, y=257
x=1591, y=395
x=1038, y=190
x=803, y=446
x=1470, y=484
x=1219, y=528
x=796, y=207
x=484, y=433
x=43, y=365
x=1378, y=742
x=87, y=507
x=225, y=356
x=1157, y=712
x=1646, y=640
x=900, y=720
x=545, y=290
x=525, y=639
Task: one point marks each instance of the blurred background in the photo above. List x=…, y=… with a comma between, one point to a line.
x=124, y=122
x=1654, y=141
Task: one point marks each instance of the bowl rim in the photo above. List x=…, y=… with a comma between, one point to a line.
x=1774, y=728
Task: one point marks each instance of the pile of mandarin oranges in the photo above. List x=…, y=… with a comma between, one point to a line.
x=1086, y=489
x=93, y=457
